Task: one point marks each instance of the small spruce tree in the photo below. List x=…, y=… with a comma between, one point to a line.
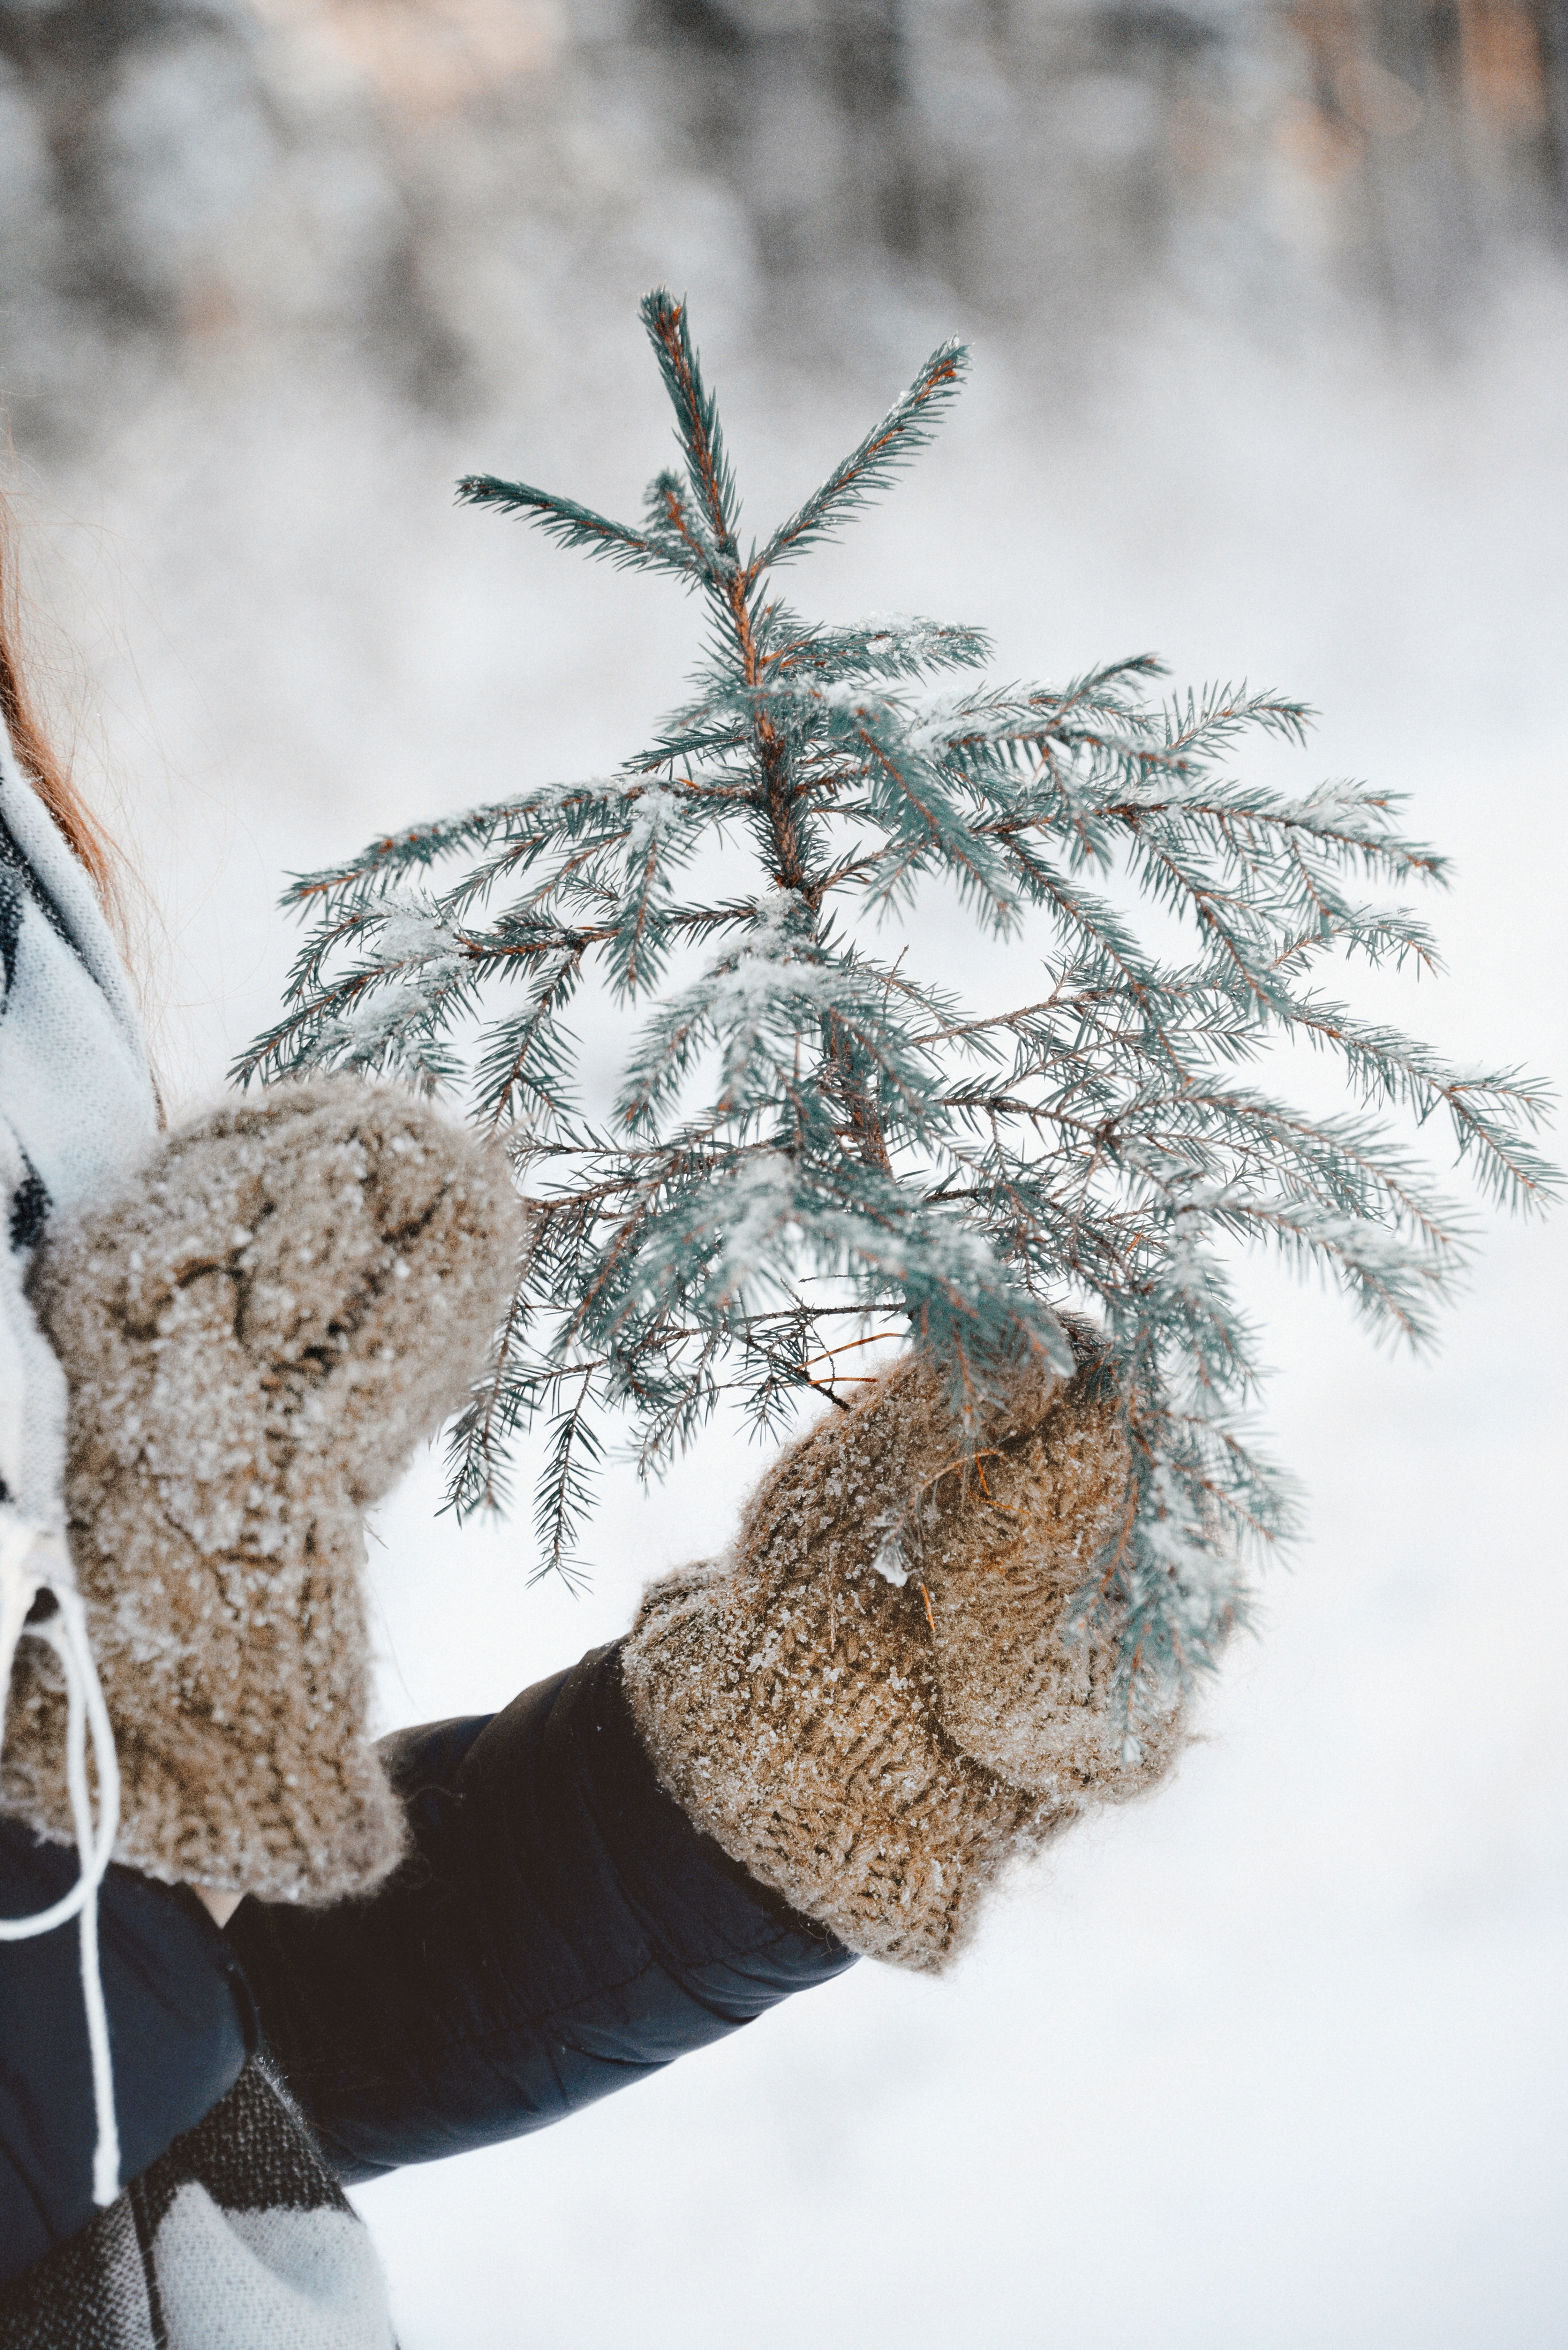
x=814, y=1144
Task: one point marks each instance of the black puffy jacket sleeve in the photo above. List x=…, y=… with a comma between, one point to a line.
x=559, y=1928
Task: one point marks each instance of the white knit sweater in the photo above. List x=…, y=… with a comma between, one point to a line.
x=77, y=1105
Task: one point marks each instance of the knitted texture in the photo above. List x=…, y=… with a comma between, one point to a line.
x=257, y=1329
x=872, y=1704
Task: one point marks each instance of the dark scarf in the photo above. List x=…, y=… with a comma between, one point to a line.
x=238, y=2238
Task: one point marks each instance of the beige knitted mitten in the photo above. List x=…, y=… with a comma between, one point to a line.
x=256, y=1331
x=870, y=1703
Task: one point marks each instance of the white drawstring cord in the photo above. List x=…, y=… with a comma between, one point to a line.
x=32, y=1560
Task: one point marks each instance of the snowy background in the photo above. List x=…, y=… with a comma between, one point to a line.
x=1270, y=314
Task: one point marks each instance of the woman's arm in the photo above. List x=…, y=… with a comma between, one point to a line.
x=560, y=1930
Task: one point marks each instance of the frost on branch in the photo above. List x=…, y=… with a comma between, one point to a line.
x=813, y=1144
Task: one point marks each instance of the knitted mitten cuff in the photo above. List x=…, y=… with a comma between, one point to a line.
x=872, y=1703
x=256, y=1332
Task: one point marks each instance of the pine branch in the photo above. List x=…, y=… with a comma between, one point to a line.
x=697, y=417
x=872, y=465
x=812, y=1143
x=566, y=1489
x=570, y=525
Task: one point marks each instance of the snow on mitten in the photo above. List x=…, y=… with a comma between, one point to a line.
x=871, y=1704
x=258, y=1330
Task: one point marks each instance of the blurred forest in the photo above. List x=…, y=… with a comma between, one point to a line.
x=403, y=183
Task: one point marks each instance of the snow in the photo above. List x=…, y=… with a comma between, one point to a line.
x=412, y=932
x=366, y=1023
x=890, y=1561
x=758, y=1203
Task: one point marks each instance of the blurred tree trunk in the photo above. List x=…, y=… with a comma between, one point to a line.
x=1551, y=32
